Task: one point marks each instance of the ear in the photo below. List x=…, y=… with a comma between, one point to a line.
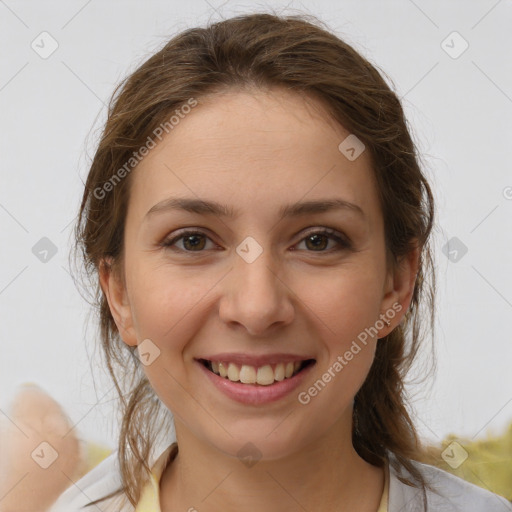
x=399, y=289
x=114, y=288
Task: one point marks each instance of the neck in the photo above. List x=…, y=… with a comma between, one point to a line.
x=326, y=474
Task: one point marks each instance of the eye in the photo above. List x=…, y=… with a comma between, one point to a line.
x=314, y=239
x=195, y=241
x=191, y=239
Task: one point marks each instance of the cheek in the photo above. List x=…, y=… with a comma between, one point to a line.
x=346, y=301
x=162, y=300
x=163, y=303
x=346, y=320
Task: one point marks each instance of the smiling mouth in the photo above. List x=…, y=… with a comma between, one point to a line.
x=264, y=375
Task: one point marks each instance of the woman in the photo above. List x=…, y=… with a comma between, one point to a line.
x=258, y=224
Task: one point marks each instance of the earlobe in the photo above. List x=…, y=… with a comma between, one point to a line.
x=400, y=289
x=115, y=292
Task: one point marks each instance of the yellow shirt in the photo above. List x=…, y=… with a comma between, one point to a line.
x=150, y=497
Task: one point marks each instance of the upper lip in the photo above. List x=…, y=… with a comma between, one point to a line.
x=255, y=360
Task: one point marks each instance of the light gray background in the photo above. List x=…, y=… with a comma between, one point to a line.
x=459, y=108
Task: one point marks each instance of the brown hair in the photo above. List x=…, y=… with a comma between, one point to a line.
x=264, y=50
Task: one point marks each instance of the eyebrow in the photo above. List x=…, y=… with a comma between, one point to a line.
x=204, y=207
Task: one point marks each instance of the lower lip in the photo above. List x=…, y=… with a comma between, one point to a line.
x=255, y=394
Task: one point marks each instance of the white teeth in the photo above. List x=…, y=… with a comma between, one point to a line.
x=279, y=372
x=247, y=374
x=223, y=370
x=233, y=372
x=264, y=375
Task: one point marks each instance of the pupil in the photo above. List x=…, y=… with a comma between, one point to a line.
x=317, y=237
x=191, y=237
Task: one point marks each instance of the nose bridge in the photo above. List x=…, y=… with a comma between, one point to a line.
x=256, y=271
x=256, y=296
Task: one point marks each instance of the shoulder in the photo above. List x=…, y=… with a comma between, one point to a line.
x=449, y=493
x=102, y=480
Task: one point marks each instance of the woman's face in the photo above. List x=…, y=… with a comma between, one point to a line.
x=256, y=291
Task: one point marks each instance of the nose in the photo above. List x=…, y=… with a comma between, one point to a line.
x=256, y=296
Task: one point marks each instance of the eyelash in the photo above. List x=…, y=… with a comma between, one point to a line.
x=343, y=242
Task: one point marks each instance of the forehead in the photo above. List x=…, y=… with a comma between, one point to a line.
x=256, y=150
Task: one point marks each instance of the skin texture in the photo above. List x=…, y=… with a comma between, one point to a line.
x=256, y=151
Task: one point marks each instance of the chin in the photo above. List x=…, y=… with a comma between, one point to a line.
x=258, y=445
